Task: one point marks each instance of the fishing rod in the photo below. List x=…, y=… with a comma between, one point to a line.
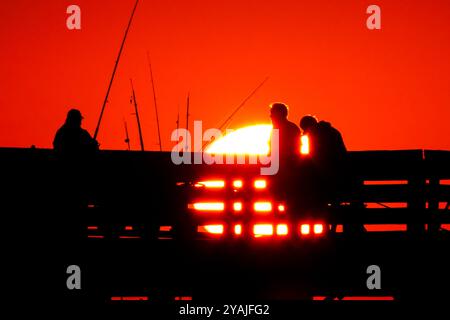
x=154, y=99
x=178, y=122
x=178, y=119
x=228, y=120
x=242, y=104
x=114, y=71
x=137, y=116
x=127, y=138
x=187, y=118
x=178, y=127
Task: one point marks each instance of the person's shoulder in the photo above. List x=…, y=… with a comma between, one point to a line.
x=293, y=126
x=327, y=131
x=60, y=131
x=326, y=127
x=324, y=124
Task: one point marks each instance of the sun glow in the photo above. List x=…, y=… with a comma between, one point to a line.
x=248, y=140
x=304, y=145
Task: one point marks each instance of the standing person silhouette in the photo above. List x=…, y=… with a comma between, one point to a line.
x=75, y=150
x=74, y=188
x=288, y=144
x=288, y=133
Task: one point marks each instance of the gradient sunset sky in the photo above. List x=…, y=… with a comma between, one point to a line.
x=384, y=89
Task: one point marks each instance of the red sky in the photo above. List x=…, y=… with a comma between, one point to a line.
x=386, y=89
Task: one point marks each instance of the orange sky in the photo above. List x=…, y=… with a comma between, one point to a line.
x=385, y=89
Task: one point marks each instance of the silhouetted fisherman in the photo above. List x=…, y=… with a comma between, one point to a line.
x=288, y=149
x=75, y=149
x=71, y=141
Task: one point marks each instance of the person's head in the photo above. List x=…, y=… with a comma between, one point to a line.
x=308, y=122
x=74, y=118
x=278, y=112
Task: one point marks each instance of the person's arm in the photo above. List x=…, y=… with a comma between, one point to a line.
x=91, y=143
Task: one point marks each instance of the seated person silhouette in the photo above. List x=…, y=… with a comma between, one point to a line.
x=71, y=141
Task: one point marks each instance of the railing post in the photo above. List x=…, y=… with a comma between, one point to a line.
x=417, y=203
x=433, y=204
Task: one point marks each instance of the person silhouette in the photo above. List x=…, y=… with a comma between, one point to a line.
x=288, y=144
x=326, y=145
x=327, y=161
x=72, y=141
x=75, y=152
x=288, y=132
